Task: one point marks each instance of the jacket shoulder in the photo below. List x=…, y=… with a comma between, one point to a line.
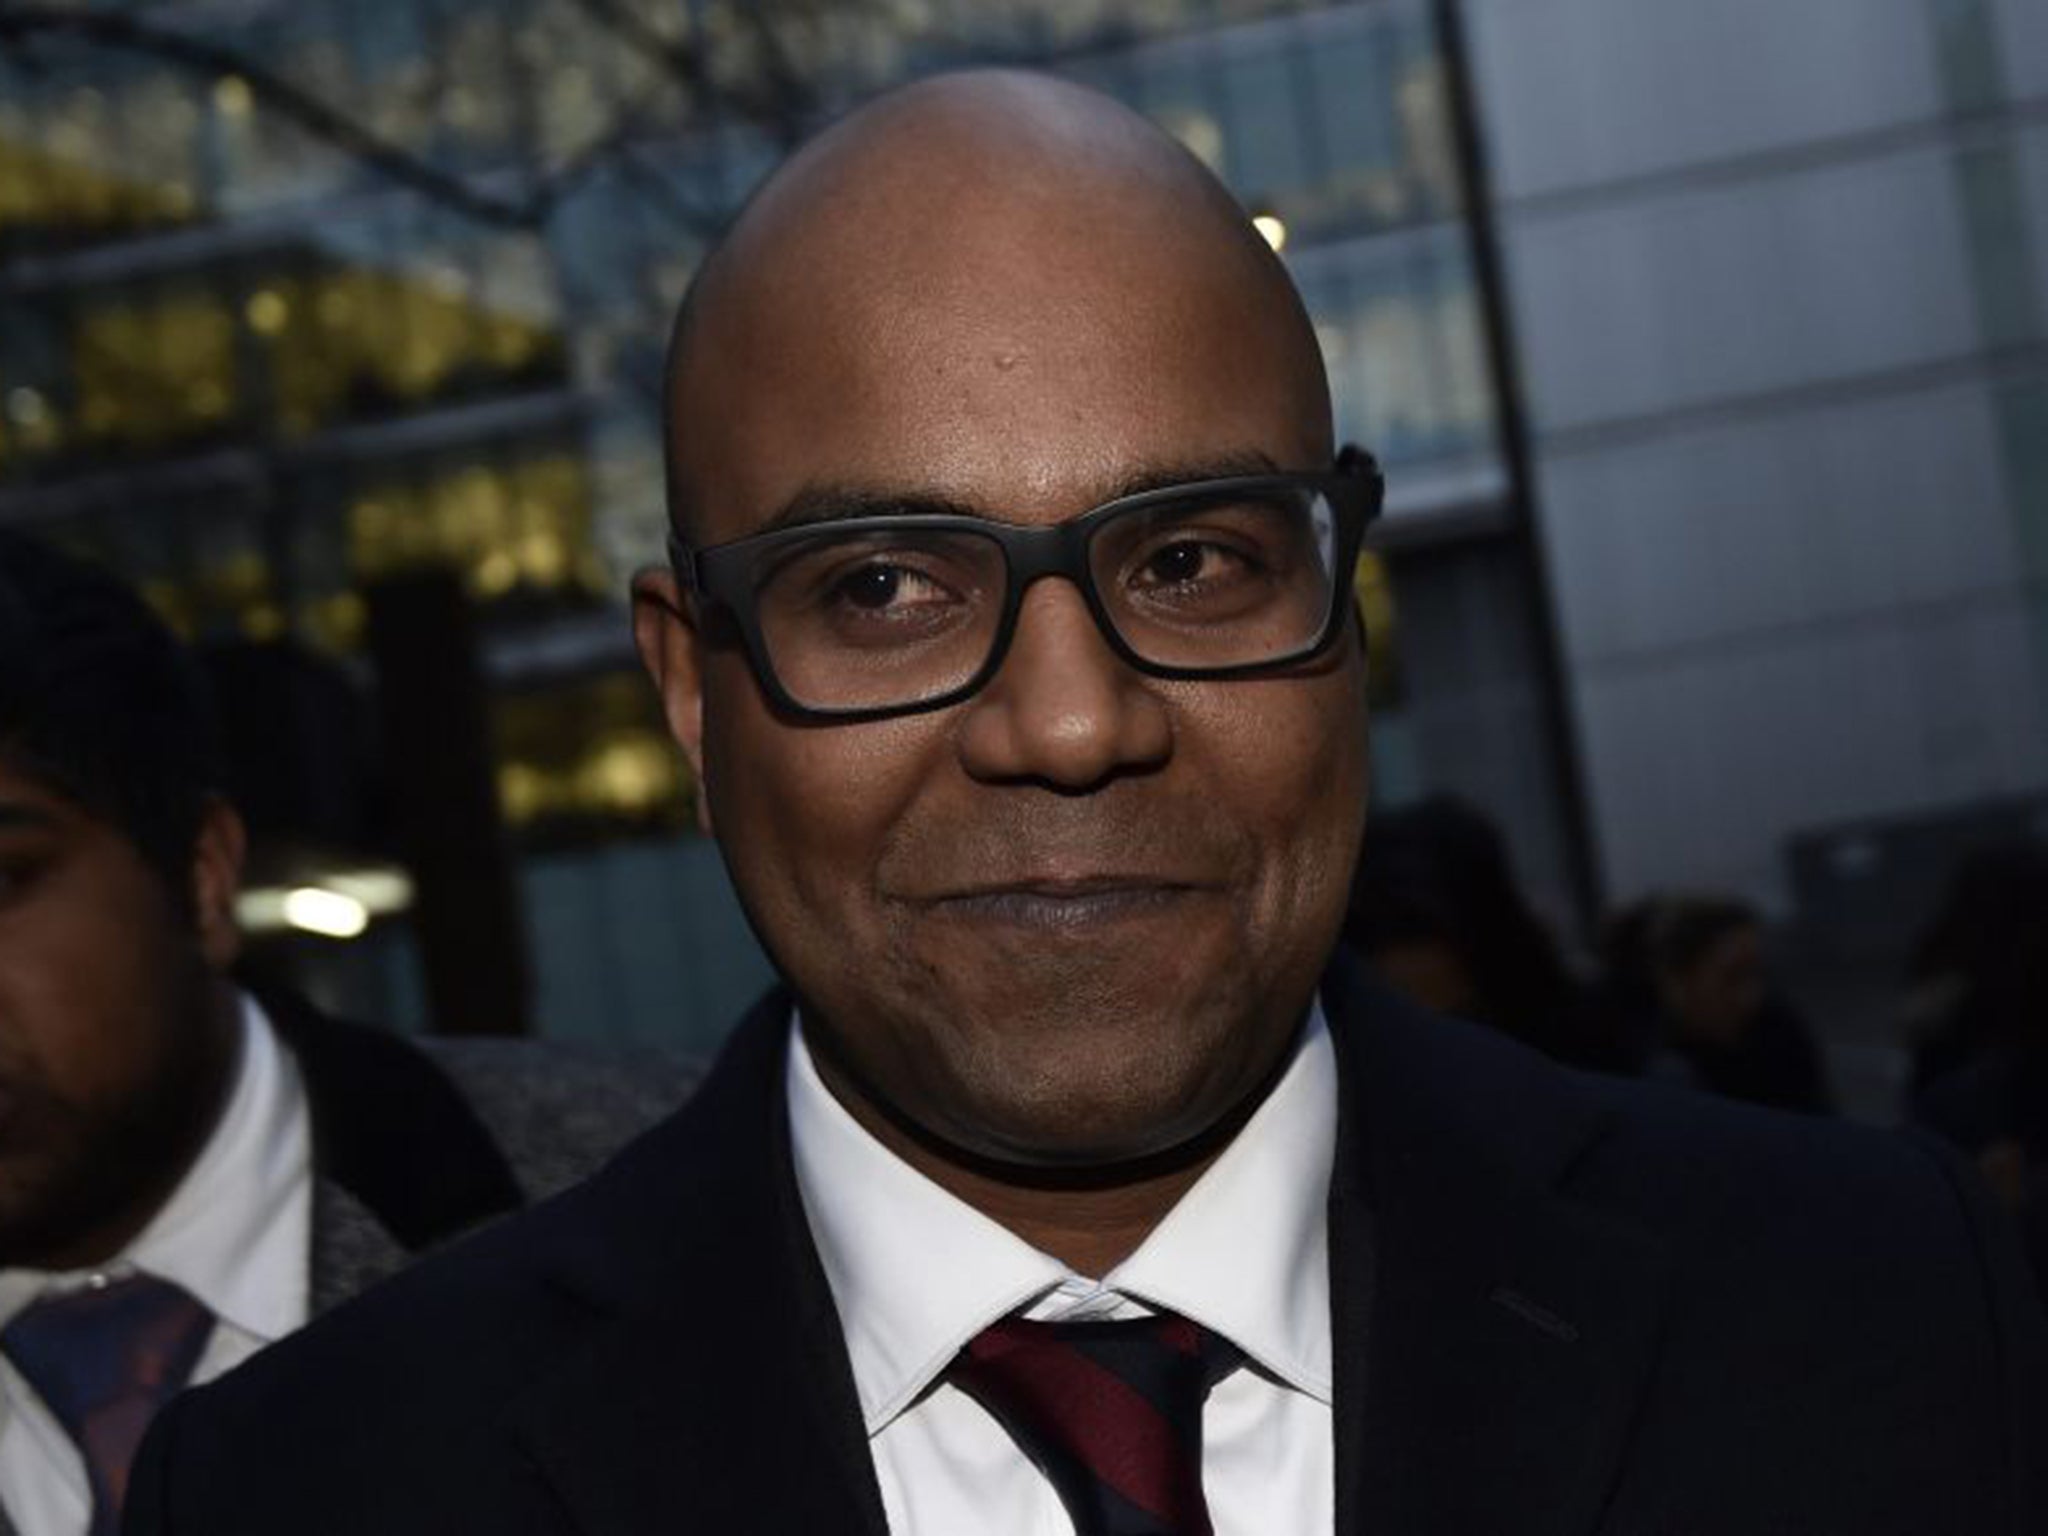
x=378, y=1415
x=389, y=1413
x=557, y=1112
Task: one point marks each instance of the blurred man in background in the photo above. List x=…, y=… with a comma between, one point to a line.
x=1437, y=911
x=1979, y=1008
x=186, y=1174
x=1078, y=1183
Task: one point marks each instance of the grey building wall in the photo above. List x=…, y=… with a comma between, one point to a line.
x=1777, y=272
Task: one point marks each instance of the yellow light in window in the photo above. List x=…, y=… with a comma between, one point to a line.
x=630, y=774
x=25, y=406
x=497, y=573
x=1272, y=228
x=264, y=621
x=522, y=792
x=543, y=558
x=266, y=311
x=232, y=95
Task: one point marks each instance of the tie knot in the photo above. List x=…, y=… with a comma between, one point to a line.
x=104, y=1359
x=1110, y=1412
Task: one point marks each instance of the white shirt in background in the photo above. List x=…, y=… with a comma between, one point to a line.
x=916, y=1273
x=236, y=1233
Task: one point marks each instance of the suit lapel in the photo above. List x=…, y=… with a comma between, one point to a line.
x=392, y=1130
x=352, y=1249
x=715, y=1394
x=1493, y=1334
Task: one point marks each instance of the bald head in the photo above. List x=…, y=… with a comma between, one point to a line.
x=990, y=221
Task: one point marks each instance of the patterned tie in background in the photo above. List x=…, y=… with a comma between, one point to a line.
x=104, y=1359
x=1110, y=1412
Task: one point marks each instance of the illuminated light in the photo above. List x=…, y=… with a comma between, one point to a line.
x=629, y=775
x=497, y=574
x=342, y=617
x=381, y=891
x=522, y=792
x=340, y=905
x=1272, y=228
x=543, y=558
x=1202, y=136
x=327, y=913
x=232, y=95
x=267, y=312
x=24, y=406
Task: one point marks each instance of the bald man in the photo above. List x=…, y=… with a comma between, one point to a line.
x=1075, y=1183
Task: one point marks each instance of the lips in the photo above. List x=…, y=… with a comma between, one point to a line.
x=1064, y=903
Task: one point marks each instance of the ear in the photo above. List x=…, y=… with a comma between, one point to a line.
x=217, y=855
x=665, y=630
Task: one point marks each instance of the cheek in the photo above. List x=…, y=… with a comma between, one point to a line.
x=803, y=813
x=1291, y=759
x=78, y=1017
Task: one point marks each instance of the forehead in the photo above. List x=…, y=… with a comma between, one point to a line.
x=1026, y=357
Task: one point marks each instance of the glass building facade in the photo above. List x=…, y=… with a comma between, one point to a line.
x=298, y=296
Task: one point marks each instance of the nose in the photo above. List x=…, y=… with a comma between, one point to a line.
x=1063, y=710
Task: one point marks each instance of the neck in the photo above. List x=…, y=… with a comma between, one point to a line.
x=1090, y=1230
x=1090, y=1219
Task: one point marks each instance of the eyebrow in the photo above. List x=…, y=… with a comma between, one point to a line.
x=855, y=503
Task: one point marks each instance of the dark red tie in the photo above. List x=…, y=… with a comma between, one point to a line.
x=104, y=1359
x=1110, y=1412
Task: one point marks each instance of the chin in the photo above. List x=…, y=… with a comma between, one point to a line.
x=1140, y=1110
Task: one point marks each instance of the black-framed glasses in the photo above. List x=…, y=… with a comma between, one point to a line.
x=865, y=617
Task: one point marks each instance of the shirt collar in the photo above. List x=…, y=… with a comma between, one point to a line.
x=916, y=1272
x=1246, y=1252
x=237, y=1230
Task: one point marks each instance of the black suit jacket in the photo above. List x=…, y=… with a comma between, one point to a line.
x=1561, y=1306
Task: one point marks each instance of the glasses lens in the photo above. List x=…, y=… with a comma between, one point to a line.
x=1219, y=582
x=858, y=619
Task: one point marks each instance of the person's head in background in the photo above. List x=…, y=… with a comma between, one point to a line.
x=1961, y=978
x=1436, y=908
x=1707, y=957
x=119, y=862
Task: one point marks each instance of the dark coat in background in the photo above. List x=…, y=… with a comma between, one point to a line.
x=420, y=1139
x=1562, y=1305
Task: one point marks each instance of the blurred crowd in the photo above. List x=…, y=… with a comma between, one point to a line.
x=1681, y=986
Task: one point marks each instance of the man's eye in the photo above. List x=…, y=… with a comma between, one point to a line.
x=1190, y=560
x=880, y=588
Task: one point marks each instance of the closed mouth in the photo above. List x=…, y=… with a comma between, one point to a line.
x=1063, y=904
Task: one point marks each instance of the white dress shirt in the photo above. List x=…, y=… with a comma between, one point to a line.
x=916, y=1273
x=236, y=1233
